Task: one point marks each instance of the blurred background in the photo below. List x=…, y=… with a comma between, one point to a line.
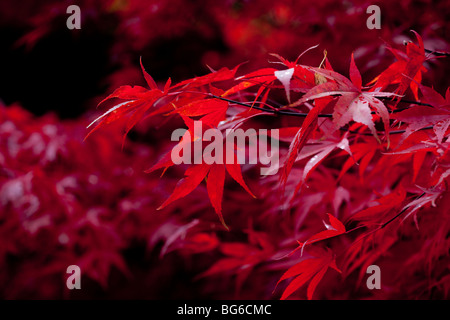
x=66, y=201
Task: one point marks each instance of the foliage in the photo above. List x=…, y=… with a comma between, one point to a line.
x=364, y=137
x=404, y=197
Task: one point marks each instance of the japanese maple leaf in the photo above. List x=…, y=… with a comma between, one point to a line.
x=189, y=106
x=195, y=174
x=374, y=214
x=304, y=78
x=353, y=104
x=318, y=152
x=140, y=99
x=186, y=237
x=294, y=78
x=408, y=66
x=312, y=270
x=309, y=125
x=241, y=258
x=262, y=77
x=428, y=197
x=222, y=74
x=419, y=117
x=212, y=111
x=215, y=175
x=435, y=99
x=334, y=228
x=363, y=153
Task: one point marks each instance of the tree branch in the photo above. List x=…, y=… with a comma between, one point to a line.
x=326, y=115
x=438, y=53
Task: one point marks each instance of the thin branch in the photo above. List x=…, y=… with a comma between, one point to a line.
x=301, y=114
x=398, y=214
x=274, y=111
x=406, y=101
x=438, y=53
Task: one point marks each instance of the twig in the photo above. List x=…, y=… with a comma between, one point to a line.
x=398, y=214
x=301, y=114
x=407, y=101
x=438, y=53
x=274, y=111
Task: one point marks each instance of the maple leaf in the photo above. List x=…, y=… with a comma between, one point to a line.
x=309, y=125
x=428, y=197
x=294, y=78
x=334, y=228
x=148, y=78
x=214, y=184
x=140, y=100
x=241, y=258
x=374, y=214
x=420, y=117
x=435, y=99
x=408, y=67
x=318, y=153
x=214, y=172
x=312, y=269
x=353, y=104
x=262, y=77
x=212, y=111
x=215, y=76
x=194, y=175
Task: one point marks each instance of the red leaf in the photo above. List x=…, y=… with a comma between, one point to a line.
x=297, y=283
x=151, y=83
x=419, y=117
x=308, y=127
x=285, y=76
x=260, y=77
x=311, y=269
x=435, y=99
x=335, y=228
x=234, y=170
x=221, y=266
x=194, y=175
x=216, y=76
x=213, y=111
x=352, y=105
x=321, y=153
x=127, y=93
x=386, y=203
x=214, y=184
x=314, y=282
x=403, y=71
x=418, y=159
x=201, y=107
x=355, y=76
